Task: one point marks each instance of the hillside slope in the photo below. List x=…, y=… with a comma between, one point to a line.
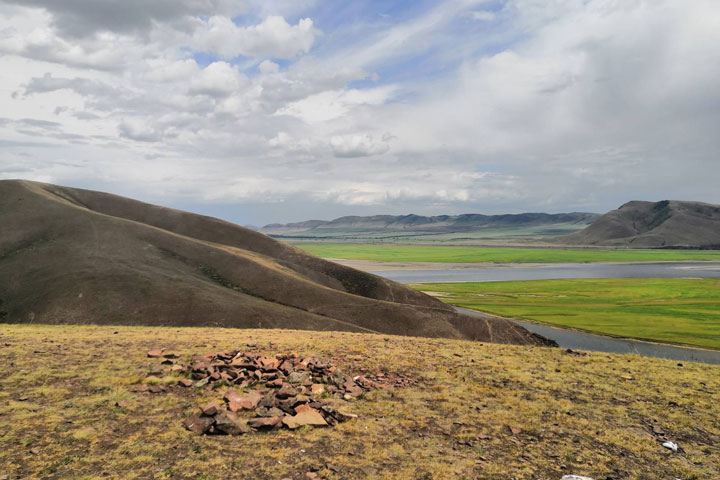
x=353, y=226
x=78, y=256
x=668, y=223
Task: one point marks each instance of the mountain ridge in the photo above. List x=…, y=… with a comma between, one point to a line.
x=78, y=256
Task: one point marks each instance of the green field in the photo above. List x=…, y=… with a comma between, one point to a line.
x=683, y=311
x=413, y=253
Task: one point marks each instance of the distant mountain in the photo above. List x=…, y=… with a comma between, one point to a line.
x=77, y=256
x=418, y=224
x=668, y=223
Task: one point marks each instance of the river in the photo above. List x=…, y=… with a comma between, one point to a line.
x=564, y=337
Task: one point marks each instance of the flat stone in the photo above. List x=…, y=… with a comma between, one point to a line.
x=297, y=378
x=317, y=389
x=229, y=424
x=245, y=401
x=277, y=383
x=210, y=409
x=265, y=422
x=286, y=391
x=269, y=412
x=304, y=408
x=156, y=388
x=199, y=425
x=305, y=418
x=155, y=353
x=185, y=382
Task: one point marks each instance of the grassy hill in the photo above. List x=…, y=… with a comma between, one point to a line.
x=475, y=410
x=667, y=223
x=441, y=229
x=77, y=256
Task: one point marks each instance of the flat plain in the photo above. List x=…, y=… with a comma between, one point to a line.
x=682, y=310
x=458, y=254
x=475, y=410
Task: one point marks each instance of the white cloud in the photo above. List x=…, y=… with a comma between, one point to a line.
x=274, y=37
x=219, y=79
x=329, y=105
x=549, y=105
x=349, y=146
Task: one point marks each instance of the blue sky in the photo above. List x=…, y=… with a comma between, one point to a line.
x=263, y=112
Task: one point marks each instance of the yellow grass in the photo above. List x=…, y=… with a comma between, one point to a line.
x=588, y=415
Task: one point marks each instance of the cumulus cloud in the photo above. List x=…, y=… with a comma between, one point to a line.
x=349, y=146
x=273, y=37
x=562, y=105
x=78, y=18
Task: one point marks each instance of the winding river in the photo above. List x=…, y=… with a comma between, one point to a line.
x=564, y=337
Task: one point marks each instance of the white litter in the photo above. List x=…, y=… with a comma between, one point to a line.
x=670, y=446
x=575, y=477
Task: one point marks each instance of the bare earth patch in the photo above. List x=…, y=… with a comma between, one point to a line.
x=67, y=410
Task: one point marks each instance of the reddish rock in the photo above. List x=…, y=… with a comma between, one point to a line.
x=304, y=408
x=170, y=355
x=199, y=425
x=155, y=388
x=229, y=424
x=247, y=401
x=286, y=391
x=185, y=382
x=311, y=417
x=317, y=389
x=155, y=353
x=265, y=422
x=275, y=383
x=210, y=409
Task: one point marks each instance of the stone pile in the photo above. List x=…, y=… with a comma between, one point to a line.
x=278, y=392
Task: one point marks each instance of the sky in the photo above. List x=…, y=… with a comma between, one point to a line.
x=261, y=112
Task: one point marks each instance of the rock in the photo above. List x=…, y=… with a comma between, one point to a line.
x=286, y=391
x=269, y=412
x=210, y=409
x=298, y=378
x=265, y=422
x=304, y=408
x=515, y=430
x=122, y=404
x=338, y=415
x=317, y=389
x=229, y=424
x=311, y=417
x=199, y=425
x=155, y=353
x=156, y=388
x=277, y=383
x=170, y=355
x=575, y=477
x=246, y=401
x=185, y=382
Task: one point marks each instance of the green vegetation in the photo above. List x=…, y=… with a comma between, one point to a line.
x=476, y=410
x=416, y=253
x=667, y=310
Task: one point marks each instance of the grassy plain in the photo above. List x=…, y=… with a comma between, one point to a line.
x=454, y=254
x=482, y=411
x=667, y=310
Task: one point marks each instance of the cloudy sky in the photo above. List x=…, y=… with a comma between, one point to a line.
x=259, y=111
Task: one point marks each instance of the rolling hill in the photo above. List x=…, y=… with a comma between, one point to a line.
x=83, y=257
x=668, y=223
x=436, y=228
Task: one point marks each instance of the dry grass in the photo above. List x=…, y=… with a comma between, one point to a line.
x=590, y=415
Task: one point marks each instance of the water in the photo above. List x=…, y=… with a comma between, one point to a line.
x=511, y=272
x=599, y=343
x=572, y=338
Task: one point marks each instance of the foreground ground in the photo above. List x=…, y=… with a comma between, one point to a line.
x=477, y=411
x=678, y=310
x=415, y=253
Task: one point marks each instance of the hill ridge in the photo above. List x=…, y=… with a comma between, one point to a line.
x=79, y=256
